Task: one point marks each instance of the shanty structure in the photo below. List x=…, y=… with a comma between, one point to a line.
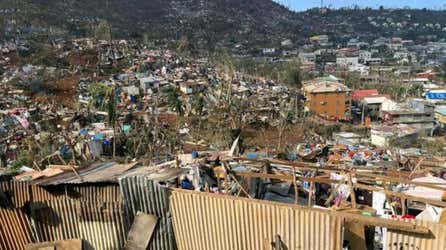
x=142, y=208
x=207, y=221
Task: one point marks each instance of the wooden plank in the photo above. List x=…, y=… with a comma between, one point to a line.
x=336, y=168
x=141, y=231
x=401, y=195
x=405, y=181
x=387, y=223
x=59, y=245
x=288, y=178
x=355, y=235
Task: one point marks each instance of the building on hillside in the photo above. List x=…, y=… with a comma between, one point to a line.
x=389, y=135
x=345, y=62
x=147, y=84
x=362, y=93
x=420, y=120
x=192, y=87
x=440, y=115
x=307, y=57
x=328, y=99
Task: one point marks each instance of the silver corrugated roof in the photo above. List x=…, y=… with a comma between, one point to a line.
x=96, y=173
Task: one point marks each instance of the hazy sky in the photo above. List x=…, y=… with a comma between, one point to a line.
x=306, y=4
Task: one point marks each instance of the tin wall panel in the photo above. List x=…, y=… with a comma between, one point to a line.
x=15, y=232
x=106, y=193
x=39, y=193
x=101, y=225
x=102, y=193
x=207, y=221
x=396, y=240
x=55, y=220
x=18, y=192
x=141, y=194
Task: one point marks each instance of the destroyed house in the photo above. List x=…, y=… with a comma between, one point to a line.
x=149, y=83
x=99, y=206
x=421, y=120
x=142, y=208
x=191, y=87
x=328, y=99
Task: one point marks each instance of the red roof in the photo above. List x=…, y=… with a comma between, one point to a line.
x=362, y=93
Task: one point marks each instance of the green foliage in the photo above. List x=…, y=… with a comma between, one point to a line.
x=281, y=72
x=197, y=104
x=48, y=57
x=101, y=94
x=433, y=147
x=291, y=75
x=24, y=159
x=173, y=99
x=398, y=90
x=103, y=31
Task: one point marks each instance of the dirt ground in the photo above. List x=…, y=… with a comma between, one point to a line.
x=61, y=91
x=269, y=137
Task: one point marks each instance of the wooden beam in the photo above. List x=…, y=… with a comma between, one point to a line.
x=401, y=195
x=387, y=223
x=287, y=178
x=296, y=189
x=405, y=181
x=352, y=191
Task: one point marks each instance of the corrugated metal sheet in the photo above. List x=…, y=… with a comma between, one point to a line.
x=55, y=220
x=106, y=193
x=101, y=225
x=39, y=193
x=15, y=232
x=96, y=173
x=17, y=191
x=396, y=240
x=206, y=221
x=144, y=195
x=103, y=193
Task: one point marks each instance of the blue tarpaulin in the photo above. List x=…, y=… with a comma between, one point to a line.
x=436, y=96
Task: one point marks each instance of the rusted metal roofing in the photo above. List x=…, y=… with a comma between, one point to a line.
x=15, y=232
x=396, y=240
x=96, y=173
x=101, y=225
x=141, y=194
x=207, y=221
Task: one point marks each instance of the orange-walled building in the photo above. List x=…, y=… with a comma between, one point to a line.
x=330, y=100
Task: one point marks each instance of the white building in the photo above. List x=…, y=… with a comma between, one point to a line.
x=347, y=61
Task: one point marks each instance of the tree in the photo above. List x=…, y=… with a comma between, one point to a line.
x=173, y=100
x=197, y=104
x=103, y=98
x=292, y=75
x=286, y=116
x=103, y=31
